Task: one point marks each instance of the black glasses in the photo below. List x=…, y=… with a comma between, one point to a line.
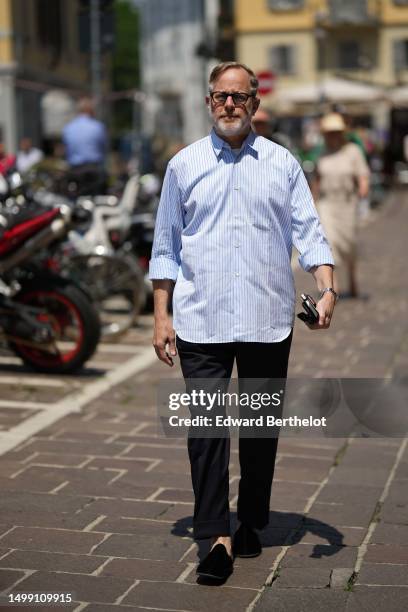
x=238, y=97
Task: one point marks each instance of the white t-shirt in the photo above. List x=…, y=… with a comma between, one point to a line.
x=25, y=160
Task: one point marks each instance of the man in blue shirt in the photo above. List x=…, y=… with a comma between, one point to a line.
x=85, y=142
x=233, y=204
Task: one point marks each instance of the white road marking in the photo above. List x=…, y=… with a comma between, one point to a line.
x=31, y=381
x=24, y=405
x=93, y=363
x=119, y=348
x=75, y=401
x=102, y=365
x=10, y=360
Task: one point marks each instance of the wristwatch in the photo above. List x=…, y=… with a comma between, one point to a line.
x=329, y=290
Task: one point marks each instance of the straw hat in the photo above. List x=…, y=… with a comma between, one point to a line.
x=333, y=122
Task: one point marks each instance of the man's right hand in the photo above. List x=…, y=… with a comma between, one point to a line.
x=164, y=336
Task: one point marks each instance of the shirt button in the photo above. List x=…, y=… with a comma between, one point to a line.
x=236, y=273
x=236, y=188
x=236, y=246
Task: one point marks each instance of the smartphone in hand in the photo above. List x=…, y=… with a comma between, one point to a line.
x=310, y=314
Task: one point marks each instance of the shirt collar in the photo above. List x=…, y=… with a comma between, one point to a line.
x=219, y=144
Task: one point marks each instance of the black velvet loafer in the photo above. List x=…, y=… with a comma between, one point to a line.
x=217, y=564
x=246, y=542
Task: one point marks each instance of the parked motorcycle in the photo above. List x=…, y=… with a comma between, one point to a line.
x=110, y=258
x=101, y=260
x=45, y=319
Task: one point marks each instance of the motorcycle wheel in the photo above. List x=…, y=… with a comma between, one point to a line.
x=75, y=324
x=116, y=286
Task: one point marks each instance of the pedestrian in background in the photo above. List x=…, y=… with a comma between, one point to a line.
x=27, y=155
x=232, y=206
x=342, y=179
x=85, y=141
x=264, y=124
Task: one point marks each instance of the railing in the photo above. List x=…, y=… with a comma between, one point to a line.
x=349, y=12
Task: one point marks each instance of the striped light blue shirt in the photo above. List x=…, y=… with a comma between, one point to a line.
x=224, y=232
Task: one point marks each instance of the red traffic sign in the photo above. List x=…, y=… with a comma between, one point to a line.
x=266, y=80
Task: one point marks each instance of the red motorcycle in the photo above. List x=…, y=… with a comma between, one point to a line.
x=45, y=319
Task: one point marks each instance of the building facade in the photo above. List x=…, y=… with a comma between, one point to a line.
x=305, y=42
x=176, y=49
x=40, y=55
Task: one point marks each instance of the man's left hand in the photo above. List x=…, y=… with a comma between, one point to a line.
x=325, y=308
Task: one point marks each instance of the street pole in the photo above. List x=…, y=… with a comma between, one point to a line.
x=96, y=53
x=210, y=11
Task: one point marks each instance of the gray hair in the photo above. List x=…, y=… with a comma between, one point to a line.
x=224, y=66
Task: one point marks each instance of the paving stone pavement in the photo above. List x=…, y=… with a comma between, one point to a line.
x=99, y=505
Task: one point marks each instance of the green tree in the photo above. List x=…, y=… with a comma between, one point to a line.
x=125, y=62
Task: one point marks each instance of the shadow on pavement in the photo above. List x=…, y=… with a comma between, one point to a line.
x=284, y=528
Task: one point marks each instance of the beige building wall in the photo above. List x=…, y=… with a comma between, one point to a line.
x=254, y=16
x=392, y=14
x=6, y=28
x=386, y=70
x=35, y=59
x=254, y=50
x=258, y=28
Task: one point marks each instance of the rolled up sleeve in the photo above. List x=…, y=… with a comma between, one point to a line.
x=165, y=260
x=307, y=232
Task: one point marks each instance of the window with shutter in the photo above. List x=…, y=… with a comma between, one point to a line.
x=49, y=23
x=348, y=11
x=400, y=55
x=285, y=5
x=349, y=53
x=282, y=59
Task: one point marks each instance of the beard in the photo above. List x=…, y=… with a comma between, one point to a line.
x=230, y=127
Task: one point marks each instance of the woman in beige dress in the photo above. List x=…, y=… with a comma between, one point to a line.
x=342, y=178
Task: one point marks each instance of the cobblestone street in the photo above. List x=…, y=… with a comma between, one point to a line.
x=95, y=503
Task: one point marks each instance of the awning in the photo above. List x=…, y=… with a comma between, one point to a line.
x=333, y=90
x=398, y=95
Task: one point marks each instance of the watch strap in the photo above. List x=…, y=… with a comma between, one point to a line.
x=329, y=290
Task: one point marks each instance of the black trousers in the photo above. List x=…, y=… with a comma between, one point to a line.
x=209, y=457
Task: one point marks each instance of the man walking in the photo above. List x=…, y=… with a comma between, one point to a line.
x=85, y=142
x=232, y=206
